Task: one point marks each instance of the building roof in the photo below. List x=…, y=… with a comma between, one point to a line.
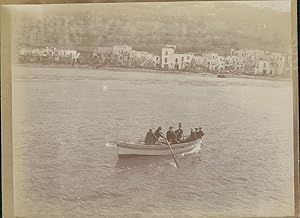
x=170, y=46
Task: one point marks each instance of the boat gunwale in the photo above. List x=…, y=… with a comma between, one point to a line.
x=159, y=146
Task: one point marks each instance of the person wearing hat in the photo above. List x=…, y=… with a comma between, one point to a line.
x=150, y=138
x=179, y=133
x=171, y=136
x=196, y=132
x=193, y=135
x=200, y=133
x=158, y=134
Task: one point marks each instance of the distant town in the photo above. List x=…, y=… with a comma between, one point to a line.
x=241, y=62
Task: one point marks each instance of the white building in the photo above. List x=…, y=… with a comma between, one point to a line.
x=268, y=67
x=173, y=61
x=274, y=64
x=250, y=57
x=156, y=60
x=121, y=49
x=144, y=59
x=263, y=68
x=138, y=54
x=214, y=62
x=167, y=54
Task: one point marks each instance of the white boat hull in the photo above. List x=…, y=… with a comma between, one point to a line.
x=129, y=149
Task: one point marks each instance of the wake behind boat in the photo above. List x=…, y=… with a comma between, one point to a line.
x=126, y=149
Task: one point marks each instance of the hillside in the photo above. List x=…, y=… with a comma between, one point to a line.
x=191, y=26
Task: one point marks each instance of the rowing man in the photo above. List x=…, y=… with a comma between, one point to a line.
x=158, y=134
x=171, y=136
x=179, y=133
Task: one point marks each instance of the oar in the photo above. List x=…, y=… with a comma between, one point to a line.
x=118, y=132
x=173, y=154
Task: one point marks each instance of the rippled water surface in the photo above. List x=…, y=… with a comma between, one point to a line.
x=66, y=165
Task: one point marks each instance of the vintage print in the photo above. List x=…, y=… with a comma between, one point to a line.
x=154, y=109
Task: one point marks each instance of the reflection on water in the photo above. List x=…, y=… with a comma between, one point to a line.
x=65, y=159
x=141, y=162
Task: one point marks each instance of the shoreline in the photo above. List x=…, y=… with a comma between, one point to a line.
x=145, y=70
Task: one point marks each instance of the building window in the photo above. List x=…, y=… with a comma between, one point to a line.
x=166, y=53
x=188, y=57
x=166, y=60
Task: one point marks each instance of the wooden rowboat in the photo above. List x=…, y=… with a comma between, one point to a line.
x=125, y=149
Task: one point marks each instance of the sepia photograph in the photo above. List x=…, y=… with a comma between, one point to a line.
x=152, y=109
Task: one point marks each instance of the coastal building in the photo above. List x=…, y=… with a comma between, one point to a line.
x=167, y=54
x=272, y=64
x=102, y=50
x=263, y=68
x=238, y=64
x=75, y=56
x=173, y=61
x=213, y=62
x=157, y=61
x=269, y=67
x=151, y=61
x=229, y=63
x=247, y=53
x=249, y=57
x=281, y=61
x=103, y=55
x=245, y=61
x=183, y=61
x=208, y=59
x=138, y=54
x=138, y=58
x=220, y=64
x=277, y=56
x=143, y=59
x=121, y=49
x=48, y=55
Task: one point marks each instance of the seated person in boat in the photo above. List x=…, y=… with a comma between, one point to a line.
x=179, y=133
x=158, y=134
x=192, y=136
x=199, y=133
x=196, y=133
x=171, y=136
x=150, y=138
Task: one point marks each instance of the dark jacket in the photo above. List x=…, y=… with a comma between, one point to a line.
x=200, y=134
x=150, y=138
x=171, y=137
x=179, y=134
x=158, y=134
x=193, y=136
